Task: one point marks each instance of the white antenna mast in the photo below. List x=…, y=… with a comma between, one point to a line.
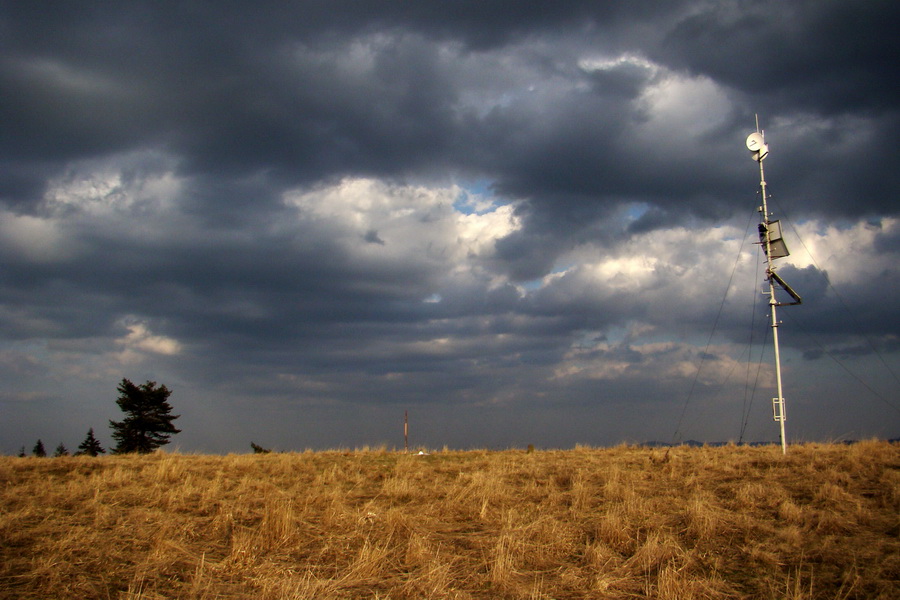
x=773, y=245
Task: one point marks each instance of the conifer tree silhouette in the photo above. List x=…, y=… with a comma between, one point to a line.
x=148, y=418
x=38, y=449
x=90, y=446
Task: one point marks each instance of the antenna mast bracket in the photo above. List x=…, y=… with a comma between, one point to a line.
x=783, y=285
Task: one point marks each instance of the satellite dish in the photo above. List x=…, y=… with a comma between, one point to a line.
x=755, y=141
x=757, y=145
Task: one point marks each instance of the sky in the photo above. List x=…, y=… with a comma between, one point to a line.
x=516, y=222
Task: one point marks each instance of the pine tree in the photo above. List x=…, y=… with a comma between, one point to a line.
x=148, y=421
x=61, y=450
x=22, y=452
x=38, y=449
x=90, y=446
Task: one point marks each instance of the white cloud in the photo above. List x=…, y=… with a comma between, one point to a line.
x=396, y=224
x=87, y=193
x=667, y=266
x=623, y=60
x=848, y=254
x=120, y=183
x=683, y=106
x=140, y=339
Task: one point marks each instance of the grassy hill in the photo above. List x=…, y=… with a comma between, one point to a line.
x=625, y=522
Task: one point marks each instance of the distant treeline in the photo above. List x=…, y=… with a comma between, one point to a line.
x=147, y=424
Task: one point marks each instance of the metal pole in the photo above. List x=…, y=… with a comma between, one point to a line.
x=778, y=402
x=406, y=431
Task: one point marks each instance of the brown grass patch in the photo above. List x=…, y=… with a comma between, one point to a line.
x=703, y=523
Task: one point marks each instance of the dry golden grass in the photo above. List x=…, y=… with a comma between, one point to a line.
x=687, y=523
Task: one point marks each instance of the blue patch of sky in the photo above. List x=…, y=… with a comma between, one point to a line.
x=532, y=284
x=636, y=210
x=475, y=197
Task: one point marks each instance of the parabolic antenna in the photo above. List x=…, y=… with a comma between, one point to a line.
x=755, y=141
x=757, y=145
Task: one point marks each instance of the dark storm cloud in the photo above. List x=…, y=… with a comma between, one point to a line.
x=830, y=57
x=258, y=202
x=233, y=91
x=242, y=92
x=177, y=78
